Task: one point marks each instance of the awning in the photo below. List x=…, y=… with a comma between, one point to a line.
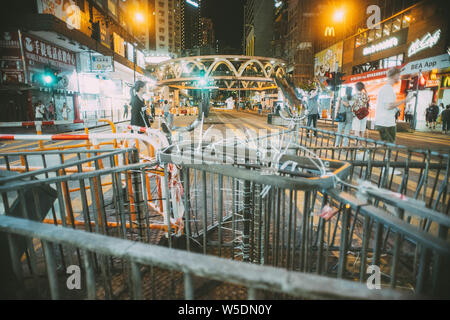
x=438, y=62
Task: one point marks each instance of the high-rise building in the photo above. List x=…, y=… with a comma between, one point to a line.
x=258, y=27
x=207, y=36
x=190, y=25
x=165, y=36
x=280, y=30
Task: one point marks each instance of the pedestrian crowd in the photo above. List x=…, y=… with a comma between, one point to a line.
x=47, y=113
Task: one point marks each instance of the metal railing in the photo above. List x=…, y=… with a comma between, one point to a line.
x=222, y=202
x=139, y=260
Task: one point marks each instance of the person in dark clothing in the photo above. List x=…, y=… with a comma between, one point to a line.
x=152, y=110
x=432, y=113
x=138, y=108
x=125, y=111
x=446, y=119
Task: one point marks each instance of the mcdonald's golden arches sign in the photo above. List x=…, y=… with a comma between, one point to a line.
x=329, y=32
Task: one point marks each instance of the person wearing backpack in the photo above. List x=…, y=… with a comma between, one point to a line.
x=360, y=110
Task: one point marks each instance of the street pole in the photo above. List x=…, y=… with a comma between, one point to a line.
x=134, y=63
x=417, y=100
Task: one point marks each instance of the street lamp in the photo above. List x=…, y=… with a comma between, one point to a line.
x=338, y=15
x=139, y=17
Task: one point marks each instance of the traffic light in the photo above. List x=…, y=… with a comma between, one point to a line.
x=48, y=78
x=339, y=78
x=330, y=80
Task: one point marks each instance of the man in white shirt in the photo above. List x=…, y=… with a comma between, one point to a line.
x=39, y=112
x=387, y=107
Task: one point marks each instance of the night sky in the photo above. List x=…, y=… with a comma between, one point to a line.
x=227, y=16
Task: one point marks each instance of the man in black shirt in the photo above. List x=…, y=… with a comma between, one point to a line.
x=445, y=116
x=434, y=112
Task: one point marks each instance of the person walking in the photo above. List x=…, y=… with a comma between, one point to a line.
x=166, y=110
x=360, y=110
x=345, y=114
x=152, y=110
x=39, y=111
x=408, y=113
x=51, y=111
x=125, y=111
x=138, y=107
x=434, y=112
x=446, y=119
x=65, y=112
x=312, y=110
x=387, y=107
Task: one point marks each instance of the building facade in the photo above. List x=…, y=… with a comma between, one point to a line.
x=258, y=27
x=84, y=54
x=190, y=26
x=165, y=36
x=415, y=39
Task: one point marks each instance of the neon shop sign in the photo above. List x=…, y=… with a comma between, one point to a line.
x=386, y=44
x=427, y=41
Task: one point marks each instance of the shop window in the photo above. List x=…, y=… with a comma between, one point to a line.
x=378, y=33
x=400, y=59
x=358, y=41
x=387, y=29
x=406, y=20
x=364, y=38
x=371, y=36
x=396, y=24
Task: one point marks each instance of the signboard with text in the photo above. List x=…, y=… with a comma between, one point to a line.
x=438, y=62
x=41, y=53
x=394, y=40
x=102, y=64
x=11, y=65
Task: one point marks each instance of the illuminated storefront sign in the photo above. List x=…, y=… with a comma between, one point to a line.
x=328, y=60
x=386, y=44
x=445, y=82
x=428, y=64
x=427, y=41
x=329, y=32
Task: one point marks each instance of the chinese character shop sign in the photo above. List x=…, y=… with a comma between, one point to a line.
x=41, y=52
x=427, y=41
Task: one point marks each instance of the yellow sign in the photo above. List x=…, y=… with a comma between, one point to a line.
x=445, y=81
x=326, y=60
x=329, y=32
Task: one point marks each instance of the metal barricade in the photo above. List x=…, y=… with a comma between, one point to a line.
x=290, y=210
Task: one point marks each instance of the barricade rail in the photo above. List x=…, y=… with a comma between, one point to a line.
x=137, y=258
x=301, y=217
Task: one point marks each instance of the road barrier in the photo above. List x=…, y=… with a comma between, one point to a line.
x=298, y=207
